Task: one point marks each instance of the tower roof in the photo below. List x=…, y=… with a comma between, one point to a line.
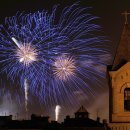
x=123, y=50
x=82, y=109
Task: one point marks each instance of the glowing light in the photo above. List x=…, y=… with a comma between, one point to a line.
x=16, y=42
x=57, y=112
x=25, y=53
x=64, y=67
x=26, y=87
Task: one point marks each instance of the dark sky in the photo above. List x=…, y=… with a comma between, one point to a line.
x=109, y=12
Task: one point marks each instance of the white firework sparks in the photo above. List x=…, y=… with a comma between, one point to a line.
x=25, y=53
x=26, y=87
x=64, y=67
x=57, y=112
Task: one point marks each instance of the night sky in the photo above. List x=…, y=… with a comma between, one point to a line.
x=111, y=21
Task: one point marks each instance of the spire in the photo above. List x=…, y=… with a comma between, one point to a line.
x=126, y=15
x=82, y=109
x=123, y=49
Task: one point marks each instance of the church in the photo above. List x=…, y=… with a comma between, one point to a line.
x=119, y=82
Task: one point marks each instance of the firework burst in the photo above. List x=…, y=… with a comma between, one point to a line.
x=52, y=53
x=64, y=67
x=26, y=54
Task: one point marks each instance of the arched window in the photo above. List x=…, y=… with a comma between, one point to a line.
x=127, y=99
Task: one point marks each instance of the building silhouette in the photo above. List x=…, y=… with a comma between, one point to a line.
x=81, y=121
x=82, y=113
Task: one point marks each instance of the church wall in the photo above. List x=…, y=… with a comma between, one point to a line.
x=119, y=126
x=120, y=80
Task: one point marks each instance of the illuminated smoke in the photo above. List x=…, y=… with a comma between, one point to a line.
x=57, y=112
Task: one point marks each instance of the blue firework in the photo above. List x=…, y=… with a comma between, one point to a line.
x=58, y=55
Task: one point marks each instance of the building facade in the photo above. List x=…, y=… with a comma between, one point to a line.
x=119, y=82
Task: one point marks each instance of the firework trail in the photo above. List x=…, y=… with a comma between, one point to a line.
x=57, y=112
x=58, y=56
x=26, y=94
x=26, y=54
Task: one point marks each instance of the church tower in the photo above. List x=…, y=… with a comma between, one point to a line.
x=119, y=79
x=82, y=113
